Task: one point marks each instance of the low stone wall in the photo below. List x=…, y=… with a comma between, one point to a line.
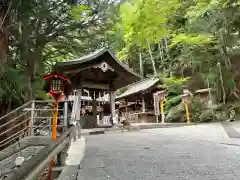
x=26, y=147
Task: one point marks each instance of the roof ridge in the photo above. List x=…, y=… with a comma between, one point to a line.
x=139, y=87
x=97, y=52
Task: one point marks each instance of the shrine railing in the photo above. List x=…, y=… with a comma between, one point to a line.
x=31, y=119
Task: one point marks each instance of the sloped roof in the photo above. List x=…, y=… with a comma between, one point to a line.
x=123, y=73
x=139, y=87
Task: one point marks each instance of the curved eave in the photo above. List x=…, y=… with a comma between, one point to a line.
x=95, y=58
x=128, y=92
x=67, y=65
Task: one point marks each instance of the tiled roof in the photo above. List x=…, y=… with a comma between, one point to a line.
x=137, y=87
x=93, y=56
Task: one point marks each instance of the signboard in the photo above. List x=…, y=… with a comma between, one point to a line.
x=156, y=104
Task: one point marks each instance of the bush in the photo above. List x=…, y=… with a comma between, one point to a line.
x=176, y=114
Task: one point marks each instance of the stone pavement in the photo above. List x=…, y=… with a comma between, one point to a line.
x=203, y=151
x=134, y=126
x=221, y=132
x=75, y=156
x=232, y=129
x=152, y=155
x=213, y=132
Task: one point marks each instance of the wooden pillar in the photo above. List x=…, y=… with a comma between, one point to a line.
x=104, y=96
x=126, y=109
x=94, y=109
x=88, y=102
x=32, y=118
x=141, y=66
x=112, y=104
x=143, y=104
x=99, y=98
x=79, y=95
x=78, y=115
x=65, y=113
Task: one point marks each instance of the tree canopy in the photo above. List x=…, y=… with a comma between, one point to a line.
x=175, y=36
x=171, y=38
x=36, y=34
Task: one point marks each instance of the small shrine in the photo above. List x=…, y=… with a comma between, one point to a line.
x=98, y=73
x=137, y=104
x=207, y=97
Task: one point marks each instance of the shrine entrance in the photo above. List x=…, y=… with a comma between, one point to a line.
x=99, y=74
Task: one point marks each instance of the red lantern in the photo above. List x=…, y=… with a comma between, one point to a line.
x=57, y=84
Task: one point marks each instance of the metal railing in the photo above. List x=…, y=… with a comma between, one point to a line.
x=31, y=119
x=39, y=163
x=13, y=125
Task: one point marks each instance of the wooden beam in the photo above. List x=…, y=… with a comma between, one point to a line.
x=94, y=85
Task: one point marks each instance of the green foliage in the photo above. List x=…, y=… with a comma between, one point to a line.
x=196, y=108
x=145, y=21
x=198, y=35
x=176, y=114
x=43, y=33
x=171, y=35
x=189, y=39
x=79, y=12
x=174, y=84
x=171, y=102
x=120, y=91
x=174, y=89
x=12, y=86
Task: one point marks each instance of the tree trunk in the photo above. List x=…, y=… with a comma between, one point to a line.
x=33, y=62
x=166, y=45
x=4, y=31
x=222, y=84
x=141, y=65
x=153, y=62
x=161, y=54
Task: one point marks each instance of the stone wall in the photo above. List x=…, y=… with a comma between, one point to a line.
x=27, y=148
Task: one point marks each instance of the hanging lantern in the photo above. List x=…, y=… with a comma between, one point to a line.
x=185, y=98
x=161, y=96
x=57, y=85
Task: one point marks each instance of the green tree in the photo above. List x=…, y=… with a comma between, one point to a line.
x=44, y=32
x=185, y=35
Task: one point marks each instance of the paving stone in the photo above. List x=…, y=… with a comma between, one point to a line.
x=171, y=157
x=69, y=173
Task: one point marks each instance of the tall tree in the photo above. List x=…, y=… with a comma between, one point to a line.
x=198, y=35
x=43, y=32
x=5, y=10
